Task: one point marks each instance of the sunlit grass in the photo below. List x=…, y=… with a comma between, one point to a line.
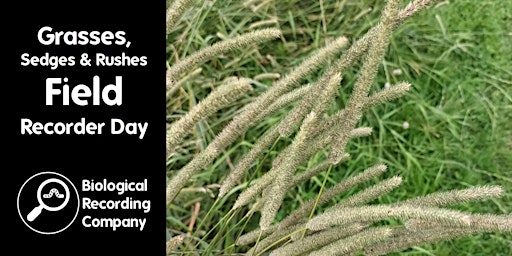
x=457, y=58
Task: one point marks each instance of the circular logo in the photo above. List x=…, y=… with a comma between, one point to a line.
x=48, y=203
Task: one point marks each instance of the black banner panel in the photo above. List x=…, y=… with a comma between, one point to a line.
x=84, y=127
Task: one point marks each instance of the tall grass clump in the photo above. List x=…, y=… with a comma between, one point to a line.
x=307, y=137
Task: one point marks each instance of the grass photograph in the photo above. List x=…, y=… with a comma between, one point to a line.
x=339, y=127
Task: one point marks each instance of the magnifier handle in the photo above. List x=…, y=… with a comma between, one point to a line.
x=34, y=213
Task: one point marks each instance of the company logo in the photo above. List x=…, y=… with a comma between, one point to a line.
x=48, y=203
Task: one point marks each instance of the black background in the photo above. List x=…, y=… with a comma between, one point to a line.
x=114, y=157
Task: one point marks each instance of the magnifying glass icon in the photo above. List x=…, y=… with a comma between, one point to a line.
x=37, y=210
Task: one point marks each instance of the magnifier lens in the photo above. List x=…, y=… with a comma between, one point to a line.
x=52, y=192
x=53, y=198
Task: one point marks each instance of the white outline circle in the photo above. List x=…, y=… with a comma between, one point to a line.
x=77, y=199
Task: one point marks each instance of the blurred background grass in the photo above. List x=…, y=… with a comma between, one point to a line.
x=456, y=55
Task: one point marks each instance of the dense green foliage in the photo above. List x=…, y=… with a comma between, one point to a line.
x=459, y=111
